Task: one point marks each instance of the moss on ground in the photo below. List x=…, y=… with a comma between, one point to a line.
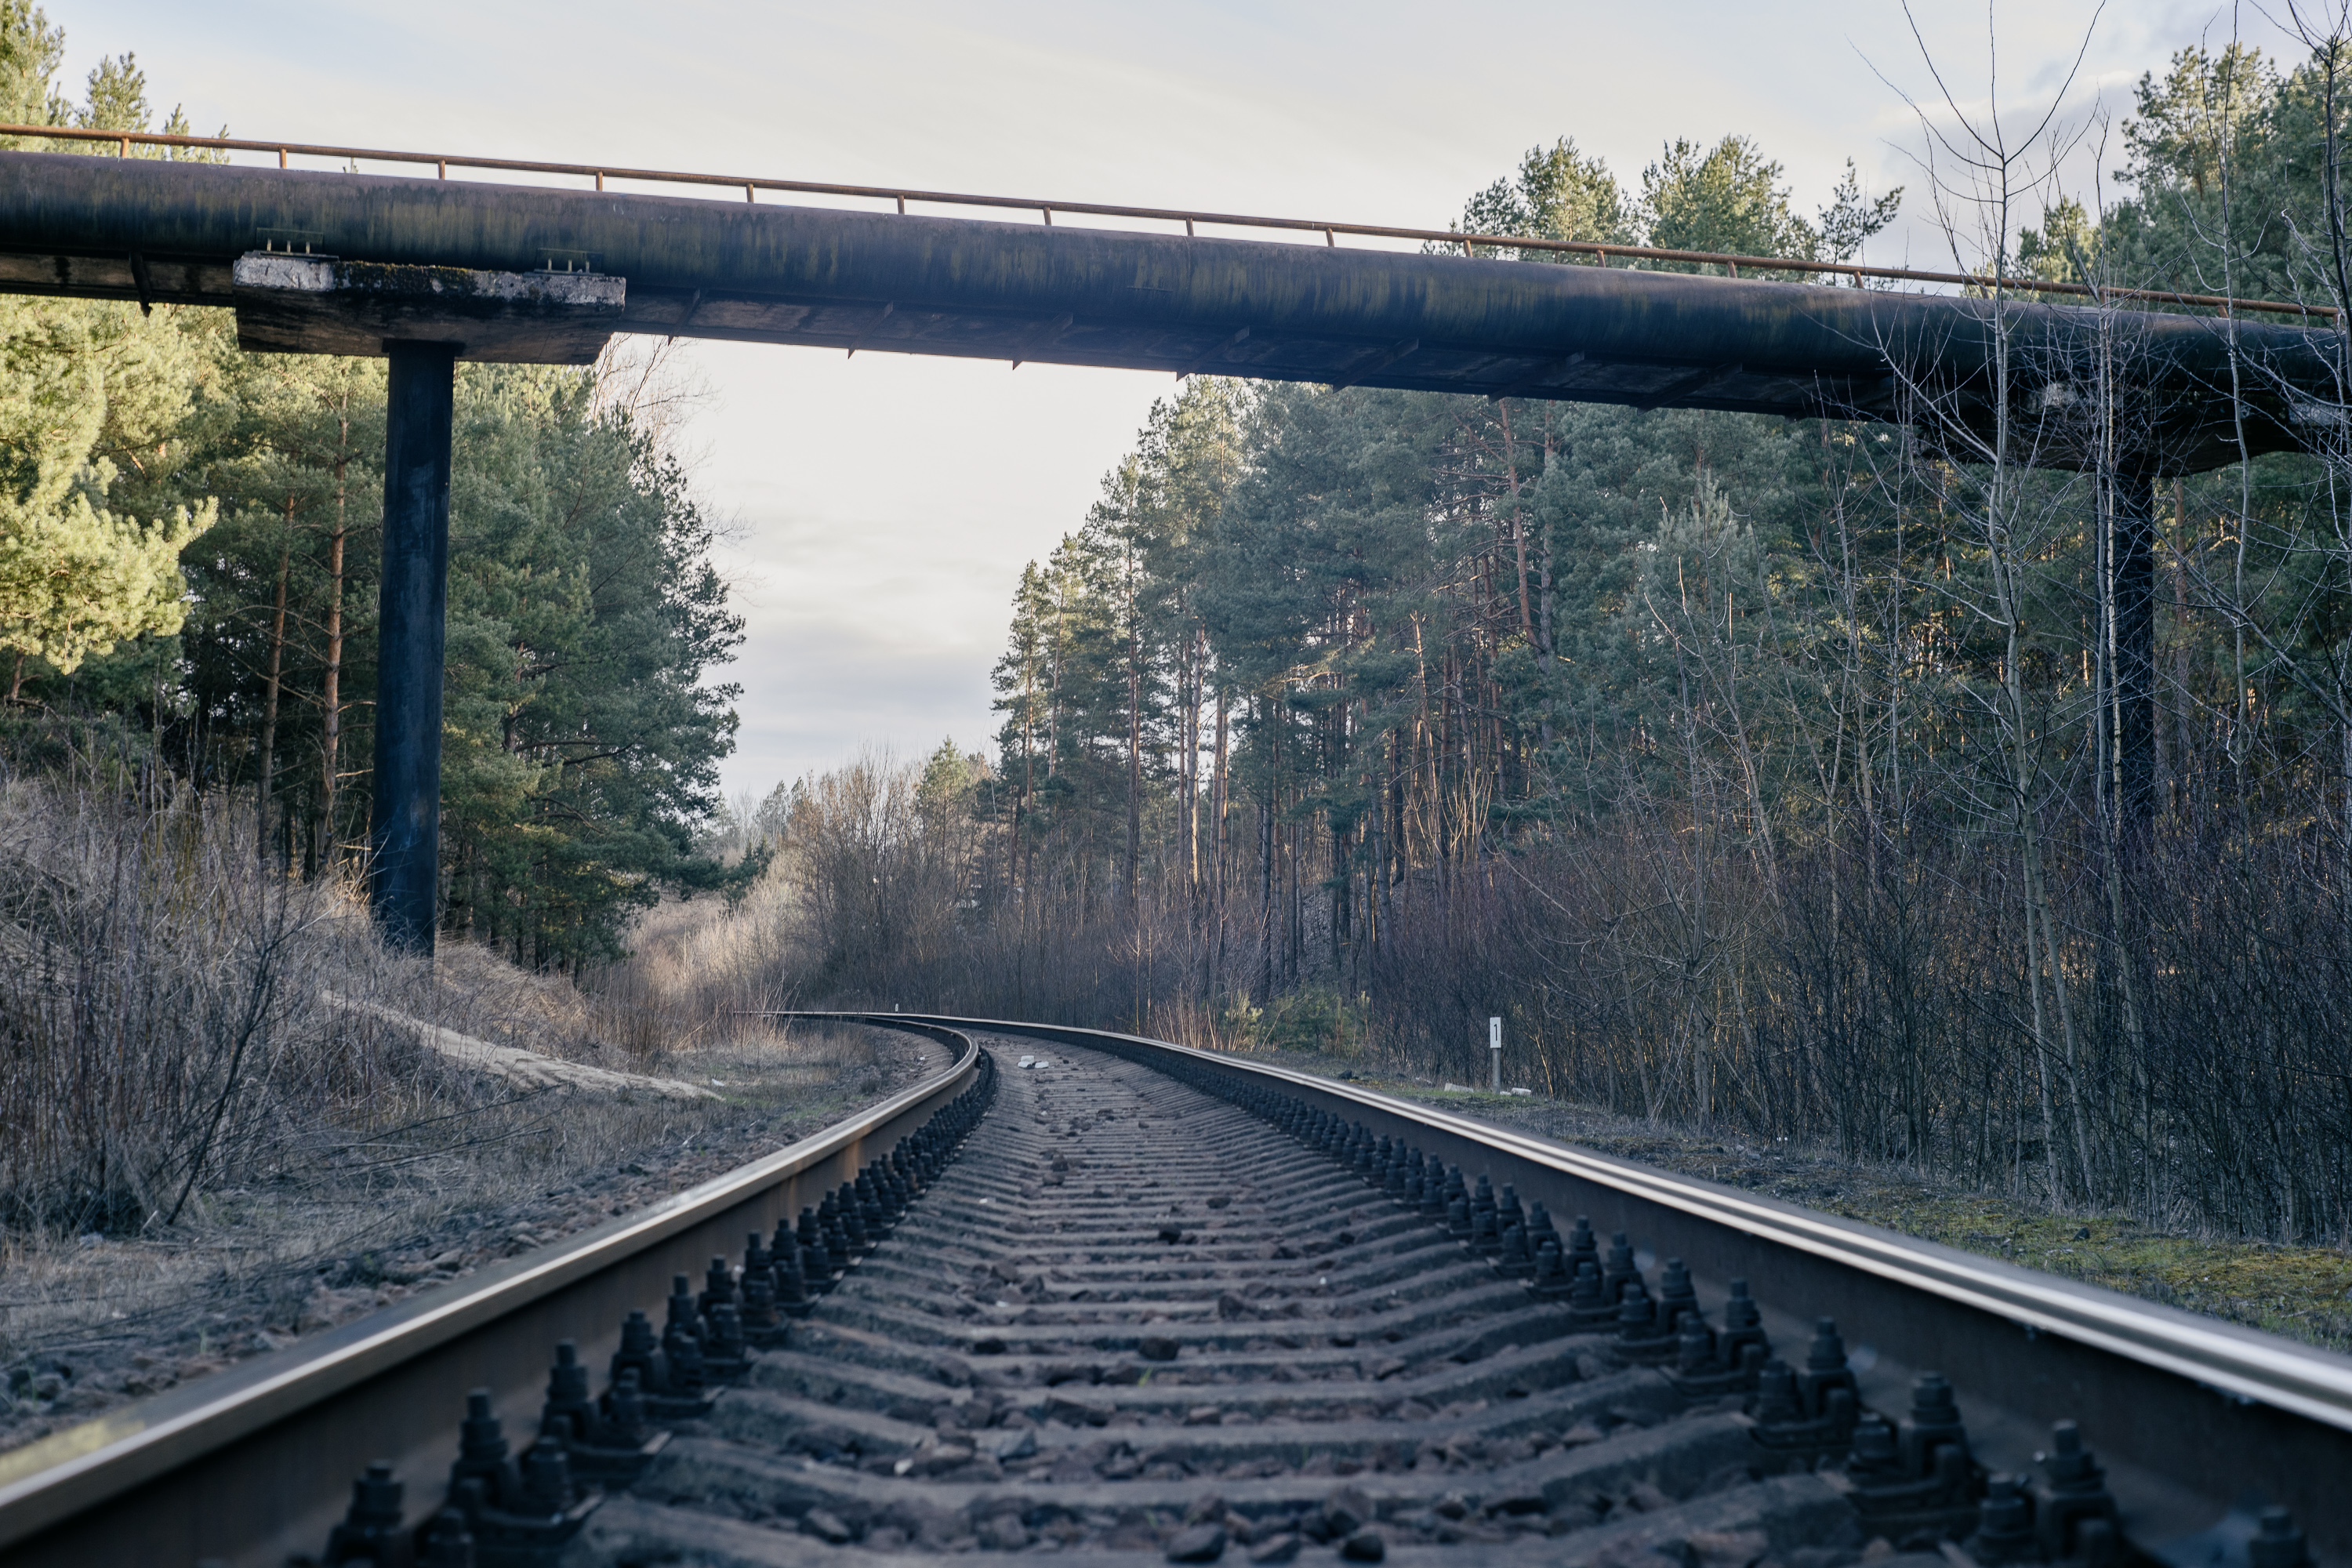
x=2301, y=1293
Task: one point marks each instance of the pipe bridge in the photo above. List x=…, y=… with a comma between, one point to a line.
x=432, y=271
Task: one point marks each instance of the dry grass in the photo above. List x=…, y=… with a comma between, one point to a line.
x=162, y=1005
x=205, y=1155
x=486, y=1172
x=698, y=972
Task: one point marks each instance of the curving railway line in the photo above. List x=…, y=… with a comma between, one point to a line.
x=1103, y=1298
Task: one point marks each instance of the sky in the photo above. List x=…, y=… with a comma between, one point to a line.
x=878, y=510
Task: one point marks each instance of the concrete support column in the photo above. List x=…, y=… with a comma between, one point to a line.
x=404, y=821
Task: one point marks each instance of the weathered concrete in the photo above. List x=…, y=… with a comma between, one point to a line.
x=319, y=304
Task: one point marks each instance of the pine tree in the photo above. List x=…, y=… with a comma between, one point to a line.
x=1726, y=198
x=584, y=740
x=79, y=384
x=99, y=409
x=31, y=49
x=284, y=587
x=1558, y=193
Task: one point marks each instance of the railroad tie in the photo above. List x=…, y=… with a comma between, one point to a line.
x=1158, y=1315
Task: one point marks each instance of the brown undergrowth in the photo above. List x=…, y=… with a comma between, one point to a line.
x=236, y=1117
x=89, y=1320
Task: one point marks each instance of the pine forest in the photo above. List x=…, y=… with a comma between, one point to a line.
x=1760, y=775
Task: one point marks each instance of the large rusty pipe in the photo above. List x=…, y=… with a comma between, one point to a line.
x=1158, y=301
x=1598, y=250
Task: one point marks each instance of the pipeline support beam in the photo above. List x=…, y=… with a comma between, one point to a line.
x=314, y=262
x=319, y=304
x=404, y=819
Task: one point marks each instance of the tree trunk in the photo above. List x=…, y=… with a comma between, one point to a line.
x=1217, y=787
x=1134, y=761
x=1265, y=858
x=1543, y=635
x=1196, y=664
x=2135, y=638
x=1018, y=867
x=270, y=683
x=1518, y=522
x=331, y=685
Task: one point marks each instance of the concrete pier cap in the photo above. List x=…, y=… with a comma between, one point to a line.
x=295, y=303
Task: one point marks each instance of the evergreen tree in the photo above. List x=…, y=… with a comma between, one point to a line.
x=283, y=591
x=582, y=740
x=102, y=407
x=78, y=573
x=1558, y=193
x=1727, y=197
x=31, y=49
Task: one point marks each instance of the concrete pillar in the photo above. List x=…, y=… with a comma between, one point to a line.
x=404, y=821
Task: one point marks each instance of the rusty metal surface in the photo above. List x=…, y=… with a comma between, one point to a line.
x=2196, y=1413
x=1330, y=229
x=882, y=282
x=255, y=1462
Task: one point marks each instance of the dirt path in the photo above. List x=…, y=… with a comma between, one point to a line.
x=534, y=1069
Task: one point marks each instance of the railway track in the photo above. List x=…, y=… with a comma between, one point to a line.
x=1106, y=1299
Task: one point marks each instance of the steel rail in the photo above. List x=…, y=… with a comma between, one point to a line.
x=2236, y=1369
x=2277, y=1372
x=1329, y=228
x=309, y=1417
x=362, y=1377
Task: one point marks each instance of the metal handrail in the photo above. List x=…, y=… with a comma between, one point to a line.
x=750, y=184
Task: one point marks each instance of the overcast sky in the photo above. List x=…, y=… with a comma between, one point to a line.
x=882, y=508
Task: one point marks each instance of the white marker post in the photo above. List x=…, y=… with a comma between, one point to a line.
x=1494, y=1043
